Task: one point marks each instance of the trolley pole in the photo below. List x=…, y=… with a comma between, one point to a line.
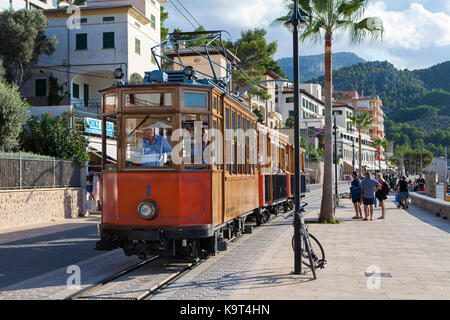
x=295, y=24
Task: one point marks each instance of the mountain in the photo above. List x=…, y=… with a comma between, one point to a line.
x=416, y=103
x=314, y=66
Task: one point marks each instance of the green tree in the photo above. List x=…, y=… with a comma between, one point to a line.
x=259, y=115
x=290, y=122
x=380, y=144
x=399, y=156
x=361, y=122
x=13, y=115
x=55, y=136
x=256, y=58
x=326, y=17
x=23, y=39
x=164, y=15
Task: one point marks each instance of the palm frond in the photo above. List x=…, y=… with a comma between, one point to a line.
x=369, y=28
x=352, y=8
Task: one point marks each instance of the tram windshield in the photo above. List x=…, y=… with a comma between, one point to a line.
x=148, y=141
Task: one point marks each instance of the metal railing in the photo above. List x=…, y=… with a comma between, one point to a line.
x=22, y=171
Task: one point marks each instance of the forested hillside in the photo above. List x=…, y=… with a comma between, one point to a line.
x=314, y=66
x=416, y=103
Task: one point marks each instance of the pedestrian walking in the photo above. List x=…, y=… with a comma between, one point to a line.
x=421, y=183
x=355, y=195
x=403, y=194
x=381, y=195
x=368, y=188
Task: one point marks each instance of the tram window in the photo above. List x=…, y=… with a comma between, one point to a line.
x=197, y=100
x=110, y=103
x=148, y=99
x=196, y=128
x=148, y=142
x=215, y=103
x=233, y=146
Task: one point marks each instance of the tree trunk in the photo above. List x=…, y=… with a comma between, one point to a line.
x=326, y=208
x=360, y=152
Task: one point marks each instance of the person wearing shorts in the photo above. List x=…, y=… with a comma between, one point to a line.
x=381, y=195
x=356, y=196
x=368, y=188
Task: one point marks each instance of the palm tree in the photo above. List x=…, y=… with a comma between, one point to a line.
x=324, y=18
x=361, y=122
x=379, y=143
x=400, y=152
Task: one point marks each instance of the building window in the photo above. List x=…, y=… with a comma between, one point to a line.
x=137, y=24
x=153, y=59
x=137, y=45
x=81, y=41
x=83, y=20
x=40, y=87
x=290, y=100
x=108, y=40
x=153, y=21
x=108, y=19
x=76, y=91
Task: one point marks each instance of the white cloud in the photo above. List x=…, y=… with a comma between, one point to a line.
x=414, y=28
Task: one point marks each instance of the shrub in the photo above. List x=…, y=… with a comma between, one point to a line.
x=13, y=115
x=54, y=136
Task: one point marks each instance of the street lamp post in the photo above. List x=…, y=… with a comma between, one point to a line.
x=296, y=24
x=353, y=159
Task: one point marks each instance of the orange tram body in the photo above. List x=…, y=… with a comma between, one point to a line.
x=178, y=201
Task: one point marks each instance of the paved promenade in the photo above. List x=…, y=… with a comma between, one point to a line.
x=409, y=250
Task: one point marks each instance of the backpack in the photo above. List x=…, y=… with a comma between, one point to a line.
x=385, y=189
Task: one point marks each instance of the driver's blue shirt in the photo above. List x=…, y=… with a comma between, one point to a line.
x=153, y=153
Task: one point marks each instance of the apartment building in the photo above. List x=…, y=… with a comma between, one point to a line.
x=365, y=104
x=92, y=43
x=312, y=107
x=28, y=4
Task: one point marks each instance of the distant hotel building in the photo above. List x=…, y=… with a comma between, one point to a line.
x=362, y=104
x=313, y=120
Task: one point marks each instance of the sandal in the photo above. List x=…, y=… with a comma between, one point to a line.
x=355, y=217
x=365, y=219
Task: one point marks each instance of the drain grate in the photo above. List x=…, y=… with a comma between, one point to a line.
x=377, y=274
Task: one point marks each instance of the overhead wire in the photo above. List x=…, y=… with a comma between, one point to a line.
x=182, y=13
x=189, y=13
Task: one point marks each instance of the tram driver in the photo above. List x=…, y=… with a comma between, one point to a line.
x=152, y=151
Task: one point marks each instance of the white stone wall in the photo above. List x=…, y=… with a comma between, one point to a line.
x=22, y=207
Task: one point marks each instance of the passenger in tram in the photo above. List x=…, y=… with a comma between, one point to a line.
x=152, y=148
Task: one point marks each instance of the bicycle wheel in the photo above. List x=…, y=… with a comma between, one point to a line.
x=312, y=264
x=318, y=254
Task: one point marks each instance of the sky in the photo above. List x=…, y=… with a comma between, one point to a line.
x=417, y=32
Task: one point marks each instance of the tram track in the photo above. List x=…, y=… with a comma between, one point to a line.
x=142, y=279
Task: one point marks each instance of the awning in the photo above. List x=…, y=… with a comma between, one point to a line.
x=96, y=147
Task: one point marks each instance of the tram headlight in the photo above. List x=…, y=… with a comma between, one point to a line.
x=148, y=209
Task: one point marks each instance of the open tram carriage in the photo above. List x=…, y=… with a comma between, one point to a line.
x=193, y=166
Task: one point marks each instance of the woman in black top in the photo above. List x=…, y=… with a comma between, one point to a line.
x=403, y=194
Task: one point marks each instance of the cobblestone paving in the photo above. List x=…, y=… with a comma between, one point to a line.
x=230, y=271
x=407, y=256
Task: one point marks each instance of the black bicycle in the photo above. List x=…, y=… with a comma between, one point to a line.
x=312, y=251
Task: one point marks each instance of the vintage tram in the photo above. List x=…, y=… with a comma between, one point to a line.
x=193, y=166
